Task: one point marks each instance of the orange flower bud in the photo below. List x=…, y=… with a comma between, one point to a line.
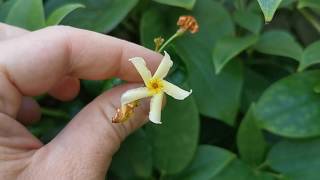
x=188, y=23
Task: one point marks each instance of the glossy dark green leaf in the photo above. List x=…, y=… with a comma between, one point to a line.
x=314, y=4
x=254, y=85
x=207, y=163
x=57, y=15
x=250, y=140
x=216, y=95
x=227, y=48
x=280, y=43
x=241, y=171
x=134, y=158
x=188, y=4
x=27, y=14
x=287, y=3
x=154, y=25
x=212, y=162
x=248, y=20
x=5, y=8
x=310, y=56
x=290, y=107
x=268, y=8
x=99, y=15
x=174, y=142
x=298, y=160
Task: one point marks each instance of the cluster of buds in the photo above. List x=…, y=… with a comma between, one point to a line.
x=188, y=23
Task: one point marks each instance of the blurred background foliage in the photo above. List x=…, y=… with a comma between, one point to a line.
x=255, y=108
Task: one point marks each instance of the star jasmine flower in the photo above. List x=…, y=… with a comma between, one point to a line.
x=155, y=87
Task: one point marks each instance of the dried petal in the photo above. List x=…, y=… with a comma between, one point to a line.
x=125, y=112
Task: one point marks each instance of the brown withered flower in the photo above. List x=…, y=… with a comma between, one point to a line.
x=125, y=112
x=188, y=23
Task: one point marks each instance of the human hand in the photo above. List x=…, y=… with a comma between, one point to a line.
x=53, y=60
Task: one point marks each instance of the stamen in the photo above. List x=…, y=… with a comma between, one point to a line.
x=155, y=85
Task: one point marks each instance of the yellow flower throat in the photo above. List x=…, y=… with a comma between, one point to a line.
x=155, y=86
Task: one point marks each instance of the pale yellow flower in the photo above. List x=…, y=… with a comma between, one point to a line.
x=156, y=86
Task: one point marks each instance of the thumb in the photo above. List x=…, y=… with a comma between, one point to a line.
x=91, y=139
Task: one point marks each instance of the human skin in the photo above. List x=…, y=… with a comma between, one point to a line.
x=53, y=60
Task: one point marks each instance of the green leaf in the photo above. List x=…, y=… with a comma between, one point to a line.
x=290, y=107
x=248, y=20
x=297, y=159
x=188, y=4
x=287, y=3
x=310, y=56
x=227, y=48
x=93, y=87
x=268, y=8
x=5, y=8
x=216, y=95
x=207, y=163
x=254, y=85
x=57, y=16
x=212, y=162
x=27, y=14
x=279, y=43
x=240, y=171
x=174, y=142
x=314, y=4
x=153, y=25
x=134, y=158
x=250, y=140
x=99, y=15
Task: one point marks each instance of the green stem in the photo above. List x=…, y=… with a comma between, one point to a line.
x=312, y=20
x=262, y=166
x=54, y=113
x=277, y=176
x=177, y=34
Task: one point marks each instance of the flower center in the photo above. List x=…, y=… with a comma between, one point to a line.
x=155, y=86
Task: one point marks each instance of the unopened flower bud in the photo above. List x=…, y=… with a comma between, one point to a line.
x=188, y=23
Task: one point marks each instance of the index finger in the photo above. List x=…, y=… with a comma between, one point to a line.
x=31, y=64
x=36, y=61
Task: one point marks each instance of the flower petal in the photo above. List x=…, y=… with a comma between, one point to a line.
x=155, y=108
x=164, y=67
x=175, y=91
x=141, y=67
x=134, y=94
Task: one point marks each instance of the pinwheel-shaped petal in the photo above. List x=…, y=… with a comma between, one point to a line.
x=156, y=87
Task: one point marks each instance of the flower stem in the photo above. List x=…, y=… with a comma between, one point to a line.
x=263, y=165
x=54, y=113
x=312, y=20
x=174, y=36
